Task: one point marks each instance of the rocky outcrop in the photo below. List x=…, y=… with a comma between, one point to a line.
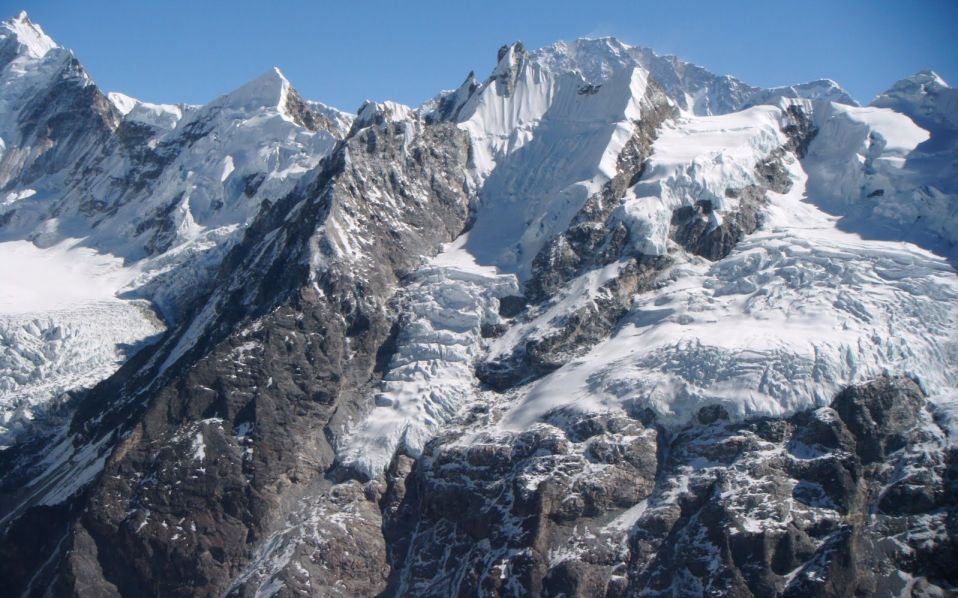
x=592, y=240
x=569, y=334
x=64, y=130
x=700, y=232
x=833, y=502
x=510, y=61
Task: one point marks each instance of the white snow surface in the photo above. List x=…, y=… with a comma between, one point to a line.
x=924, y=96
x=161, y=116
x=29, y=36
x=226, y=158
x=696, y=91
x=698, y=159
x=885, y=174
x=828, y=292
x=824, y=295
x=430, y=377
x=548, y=126
x=62, y=328
x=387, y=111
x=543, y=149
x=104, y=222
x=797, y=311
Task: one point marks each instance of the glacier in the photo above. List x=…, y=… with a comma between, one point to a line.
x=547, y=128
x=817, y=300
x=162, y=216
x=600, y=321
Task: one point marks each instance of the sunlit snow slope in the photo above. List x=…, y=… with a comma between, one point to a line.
x=601, y=323
x=824, y=294
x=583, y=154
x=108, y=196
x=796, y=312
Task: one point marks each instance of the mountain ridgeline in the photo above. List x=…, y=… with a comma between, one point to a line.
x=602, y=323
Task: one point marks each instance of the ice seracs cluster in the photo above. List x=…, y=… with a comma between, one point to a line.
x=548, y=128
x=448, y=306
x=816, y=300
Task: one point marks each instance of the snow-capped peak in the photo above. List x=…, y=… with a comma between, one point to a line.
x=124, y=103
x=510, y=58
x=266, y=91
x=594, y=59
x=921, y=83
x=928, y=77
x=31, y=38
x=926, y=97
x=820, y=89
x=382, y=112
x=163, y=116
x=447, y=104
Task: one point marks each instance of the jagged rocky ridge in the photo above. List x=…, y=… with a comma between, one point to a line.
x=601, y=324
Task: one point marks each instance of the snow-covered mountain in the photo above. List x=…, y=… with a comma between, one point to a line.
x=601, y=323
x=152, y=196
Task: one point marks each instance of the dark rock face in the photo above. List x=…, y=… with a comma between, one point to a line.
x=575, y=332
x=509, y=67
x=246, y=397
x=503, y=506
x=854, y=498
x=297, y=108
x=449, y=105
x=694, y=229
x=609, y=505
x=65, y=129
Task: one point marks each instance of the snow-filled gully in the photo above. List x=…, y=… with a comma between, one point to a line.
x=430, y=377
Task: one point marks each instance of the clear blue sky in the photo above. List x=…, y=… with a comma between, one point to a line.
x=344, y=52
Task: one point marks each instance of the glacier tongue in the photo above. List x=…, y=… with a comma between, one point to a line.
x=62, y=328
x=446, y=308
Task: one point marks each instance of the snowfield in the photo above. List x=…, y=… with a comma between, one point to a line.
x=794, y=314
x=141, y=201
x=797, y=311
x=698, y=159
x=542, y=151
x=601, y=323
x=62, y=326
x=816, y=300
